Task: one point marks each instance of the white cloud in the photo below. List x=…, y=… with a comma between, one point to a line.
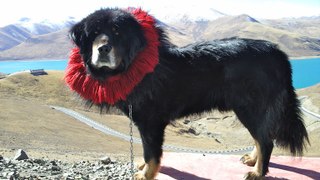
x=271, y=8
x=12, y=10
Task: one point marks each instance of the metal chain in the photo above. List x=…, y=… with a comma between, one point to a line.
x=131, y=142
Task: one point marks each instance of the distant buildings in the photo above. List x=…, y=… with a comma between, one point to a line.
x=38, y=72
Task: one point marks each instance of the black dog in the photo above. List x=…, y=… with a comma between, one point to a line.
x=250, y=77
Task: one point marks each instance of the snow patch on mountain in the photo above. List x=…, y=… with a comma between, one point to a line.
x=38, y=27
x=197, y=13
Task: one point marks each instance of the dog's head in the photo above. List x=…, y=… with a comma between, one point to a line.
x=108, y=40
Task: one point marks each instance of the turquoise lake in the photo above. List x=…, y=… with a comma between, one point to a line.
x=306, y=72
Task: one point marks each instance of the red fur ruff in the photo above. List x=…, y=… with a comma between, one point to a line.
x=117, y=87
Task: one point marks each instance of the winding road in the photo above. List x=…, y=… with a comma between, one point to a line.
x=306, y=111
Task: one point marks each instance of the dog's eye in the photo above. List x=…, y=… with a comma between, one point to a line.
x=114, y=30
x=104, y=41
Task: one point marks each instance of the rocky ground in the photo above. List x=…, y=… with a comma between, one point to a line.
x=22, y=167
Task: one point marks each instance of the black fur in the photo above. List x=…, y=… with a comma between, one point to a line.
x=250, y=77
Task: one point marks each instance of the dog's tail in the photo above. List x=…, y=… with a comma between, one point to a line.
x=291, y=131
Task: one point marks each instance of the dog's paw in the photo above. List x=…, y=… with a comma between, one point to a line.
x=140, y=165
x=139, y=176
x=248, y=160
x=253, y=176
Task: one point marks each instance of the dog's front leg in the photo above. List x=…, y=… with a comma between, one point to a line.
x=152, y=139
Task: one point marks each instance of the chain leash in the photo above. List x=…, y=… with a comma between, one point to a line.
x=131, y=142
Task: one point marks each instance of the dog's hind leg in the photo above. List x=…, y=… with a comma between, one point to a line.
x=263, y=150
x=152, y=140
x=260, y=131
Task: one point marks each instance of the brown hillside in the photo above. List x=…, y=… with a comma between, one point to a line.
x=293, y=43
x=49, y=89
x=49, y=46
x=306, y=26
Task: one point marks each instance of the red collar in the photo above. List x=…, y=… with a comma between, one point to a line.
x=119, y=86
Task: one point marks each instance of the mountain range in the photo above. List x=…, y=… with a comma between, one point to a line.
x=46, y=40
x=26, y=29
x=297, y=37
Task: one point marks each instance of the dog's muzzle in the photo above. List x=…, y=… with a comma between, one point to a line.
x=103, y=53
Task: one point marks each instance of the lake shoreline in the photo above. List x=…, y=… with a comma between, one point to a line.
x=27, y=60
x=305, y=71
x=303, y=58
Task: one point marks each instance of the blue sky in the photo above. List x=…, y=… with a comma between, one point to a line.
x=56, y=10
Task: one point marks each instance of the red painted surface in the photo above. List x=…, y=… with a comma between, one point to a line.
x=189, y=166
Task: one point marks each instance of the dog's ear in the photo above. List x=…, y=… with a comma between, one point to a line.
x=131, y=34
x=137, y=43
x=76, y=33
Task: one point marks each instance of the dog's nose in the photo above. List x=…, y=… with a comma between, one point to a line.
x=105, y=49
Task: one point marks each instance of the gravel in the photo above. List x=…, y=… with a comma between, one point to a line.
x=34, y=169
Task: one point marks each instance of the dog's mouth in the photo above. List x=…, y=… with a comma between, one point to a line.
x=106, y=62
x=105, y=68
x=102, y=72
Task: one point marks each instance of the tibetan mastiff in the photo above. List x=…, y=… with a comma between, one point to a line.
x=123, y=58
